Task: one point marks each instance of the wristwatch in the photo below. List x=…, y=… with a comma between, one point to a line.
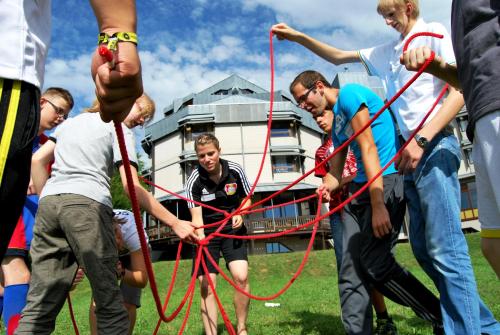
x=422, y=141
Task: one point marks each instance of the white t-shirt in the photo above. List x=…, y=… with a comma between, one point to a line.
x=25, y=39
x=129, y=230
x=86, y=149
x=383, y=61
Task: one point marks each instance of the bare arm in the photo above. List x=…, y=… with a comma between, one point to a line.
x=136, y=276
x=117, y=88
x=39, y=162
x=197, y=220
x=332, y=180
x=325, y=51
x=237, y=220
x=411, y=156
x=381, y=222
x=413, y=60
x=182, y=228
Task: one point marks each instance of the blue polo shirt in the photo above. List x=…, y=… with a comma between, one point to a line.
x=350, y=99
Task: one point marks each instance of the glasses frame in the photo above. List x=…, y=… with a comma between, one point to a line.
x=303, y=97
x=59, y=111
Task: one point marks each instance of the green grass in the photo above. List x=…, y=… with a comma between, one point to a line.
x=310, y=306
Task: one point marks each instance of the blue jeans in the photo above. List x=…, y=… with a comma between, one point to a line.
x=336, y=229
x=433, y=197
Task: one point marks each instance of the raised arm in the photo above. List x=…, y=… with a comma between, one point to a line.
x=413, y=60
x=39, y=162
x=182, y=228
x=118, y=88
x=325, y=51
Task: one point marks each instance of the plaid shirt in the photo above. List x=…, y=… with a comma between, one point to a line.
x=350, y=169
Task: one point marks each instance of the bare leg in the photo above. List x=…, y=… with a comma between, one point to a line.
x=92, y=318
x=491, y=250
x=378, y=301
x=15, y=271
x=132, y=315
x=239, y=271
x=208, y=305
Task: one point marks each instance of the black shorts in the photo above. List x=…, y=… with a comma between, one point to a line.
x=19, y=120
x=232, y=249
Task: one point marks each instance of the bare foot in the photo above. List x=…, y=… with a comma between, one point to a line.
x=242, y=331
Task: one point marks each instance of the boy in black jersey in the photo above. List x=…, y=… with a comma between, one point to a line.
x=221, y=184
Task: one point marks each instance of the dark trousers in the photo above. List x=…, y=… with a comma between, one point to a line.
x=19, y=119
x=369, y=262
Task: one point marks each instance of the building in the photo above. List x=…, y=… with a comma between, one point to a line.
x=237, y=112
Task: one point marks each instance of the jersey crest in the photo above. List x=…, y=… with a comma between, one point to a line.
x=230, y=188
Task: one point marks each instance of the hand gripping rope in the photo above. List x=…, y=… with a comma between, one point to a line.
x=199, y=260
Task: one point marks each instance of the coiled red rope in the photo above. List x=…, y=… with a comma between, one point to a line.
x=202, y=245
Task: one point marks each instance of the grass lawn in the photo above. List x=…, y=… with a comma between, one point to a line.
x=310, y=306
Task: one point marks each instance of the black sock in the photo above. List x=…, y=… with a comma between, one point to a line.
x=383, y=315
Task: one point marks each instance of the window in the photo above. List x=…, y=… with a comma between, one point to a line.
x=276, y=247
x=462, y=123
x=288, y=211
x=285, y=164
x=188, y=168
x=246, y=91
x=221, y=92
x=282, y=212
x=282, y=129
x=192, y=131
x=468, y=156
x=468, y=203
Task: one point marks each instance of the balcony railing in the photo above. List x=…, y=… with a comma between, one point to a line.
x=271, y=225
x=260, y=226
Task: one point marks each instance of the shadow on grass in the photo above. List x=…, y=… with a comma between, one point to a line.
x=315, y=323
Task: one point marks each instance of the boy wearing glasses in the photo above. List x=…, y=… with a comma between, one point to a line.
x=429, y=163
x=55, y=105
x=372, y=221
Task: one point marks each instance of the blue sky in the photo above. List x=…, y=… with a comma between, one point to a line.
x=188, y=45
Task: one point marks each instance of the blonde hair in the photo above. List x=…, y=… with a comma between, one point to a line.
x=146, y=107
x=384, y=4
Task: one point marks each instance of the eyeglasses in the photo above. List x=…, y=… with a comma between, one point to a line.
x=303, y=97
x=59, y=111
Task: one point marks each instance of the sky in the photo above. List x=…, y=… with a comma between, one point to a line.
x=186, y=46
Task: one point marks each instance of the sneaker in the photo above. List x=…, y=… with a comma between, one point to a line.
x=385, y=327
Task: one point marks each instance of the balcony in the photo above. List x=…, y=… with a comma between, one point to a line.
x=269, y=225
x=254, y=227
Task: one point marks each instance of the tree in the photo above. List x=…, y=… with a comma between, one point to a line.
x=118, y=195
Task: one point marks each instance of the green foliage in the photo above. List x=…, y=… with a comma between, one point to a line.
x=118, y=194
x=310, y=306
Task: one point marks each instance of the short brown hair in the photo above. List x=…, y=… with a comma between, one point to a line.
x=308, y=79
x=59, y=91
x=204, y=139
x=384, y=4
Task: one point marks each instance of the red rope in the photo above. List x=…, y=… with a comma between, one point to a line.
x=72, y=315
x=190, y=290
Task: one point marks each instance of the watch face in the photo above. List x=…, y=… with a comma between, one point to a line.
x=421, y=141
